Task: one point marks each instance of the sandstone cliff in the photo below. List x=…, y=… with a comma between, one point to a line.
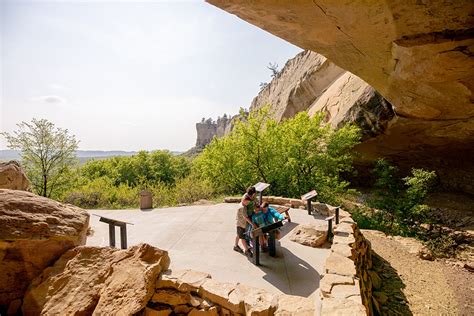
x=417, y=55
x=310, y=82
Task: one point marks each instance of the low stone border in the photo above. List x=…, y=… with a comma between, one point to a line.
x=196, y=293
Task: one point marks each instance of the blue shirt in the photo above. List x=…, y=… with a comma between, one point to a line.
x=264, y=219
x=272, y=216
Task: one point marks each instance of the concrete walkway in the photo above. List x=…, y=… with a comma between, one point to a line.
x=202, y=237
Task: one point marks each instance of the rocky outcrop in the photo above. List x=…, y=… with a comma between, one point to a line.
x=94, y=280
x=208, y=129
x=35, y=232
x=417, y=55
x=13, y=177
x=350, y=100
x=298, y=85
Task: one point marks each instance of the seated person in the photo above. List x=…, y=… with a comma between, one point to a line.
x=271, y=216
x=265, y=216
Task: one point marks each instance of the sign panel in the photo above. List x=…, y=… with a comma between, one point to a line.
x=261, y=186
x=309, y=195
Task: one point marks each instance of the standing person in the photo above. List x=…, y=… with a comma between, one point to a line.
x=243, y=219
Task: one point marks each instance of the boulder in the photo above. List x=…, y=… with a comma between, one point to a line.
x=13, y=177
x=94, y=280
x=309, y=235
x=35, y=232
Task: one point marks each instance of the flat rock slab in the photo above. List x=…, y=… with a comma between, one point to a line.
x=201, y=238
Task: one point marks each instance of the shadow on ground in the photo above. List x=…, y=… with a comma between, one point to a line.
x=396, y=302
x=306, y=279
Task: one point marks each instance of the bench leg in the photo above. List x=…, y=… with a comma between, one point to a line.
x=288, y=215
x=123, y=236
x=111, y=235
x=256, y=251
x=271, y=244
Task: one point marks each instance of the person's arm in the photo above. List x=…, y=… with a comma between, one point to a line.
x=276, y=214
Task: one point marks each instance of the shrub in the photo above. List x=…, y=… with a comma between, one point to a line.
x=400, y=201
x=193, y=188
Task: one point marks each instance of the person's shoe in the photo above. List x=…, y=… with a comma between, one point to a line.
x=238, y=249
x=249, y=254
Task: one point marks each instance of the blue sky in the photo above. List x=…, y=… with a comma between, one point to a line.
x=129, y=76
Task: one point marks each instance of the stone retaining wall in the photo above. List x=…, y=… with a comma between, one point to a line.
x=196, y=293
x=348, y=283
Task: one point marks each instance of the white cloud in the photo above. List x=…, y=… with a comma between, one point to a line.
x=56, y=86
x=51, y=99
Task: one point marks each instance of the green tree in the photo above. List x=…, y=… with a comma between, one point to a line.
x=47, y=153
x=294, y=156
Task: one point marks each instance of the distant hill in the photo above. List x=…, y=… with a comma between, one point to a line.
x=82, y=155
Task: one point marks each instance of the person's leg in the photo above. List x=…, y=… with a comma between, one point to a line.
x=244, y=244
x=239, y=236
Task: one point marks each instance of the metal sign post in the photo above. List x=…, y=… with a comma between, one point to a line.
x=308, y=197
x=260, y=187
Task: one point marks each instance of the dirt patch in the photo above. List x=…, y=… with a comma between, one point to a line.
x=418, y=287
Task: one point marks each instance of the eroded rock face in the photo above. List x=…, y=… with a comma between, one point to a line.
x=417, y=55
x=103, y=281
x=35, y=232
x=13, y=177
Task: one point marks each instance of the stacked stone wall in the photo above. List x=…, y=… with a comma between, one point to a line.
x=349, y=281
x=190, y=292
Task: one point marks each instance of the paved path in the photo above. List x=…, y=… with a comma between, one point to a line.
x=202, y=237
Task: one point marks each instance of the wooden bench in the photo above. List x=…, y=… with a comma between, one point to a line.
x=123, y=230
x=282, y=209
x=256, y=233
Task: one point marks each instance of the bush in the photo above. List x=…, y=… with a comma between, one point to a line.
x=192, y=188
x=400, y=201
x=102, y=193
x=443, y=246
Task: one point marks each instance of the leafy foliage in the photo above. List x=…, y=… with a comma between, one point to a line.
x=295, y=156
x=47, y=154
x=401, y=201
x=116, y=182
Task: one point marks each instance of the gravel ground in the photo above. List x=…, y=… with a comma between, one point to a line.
x=419, y=287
